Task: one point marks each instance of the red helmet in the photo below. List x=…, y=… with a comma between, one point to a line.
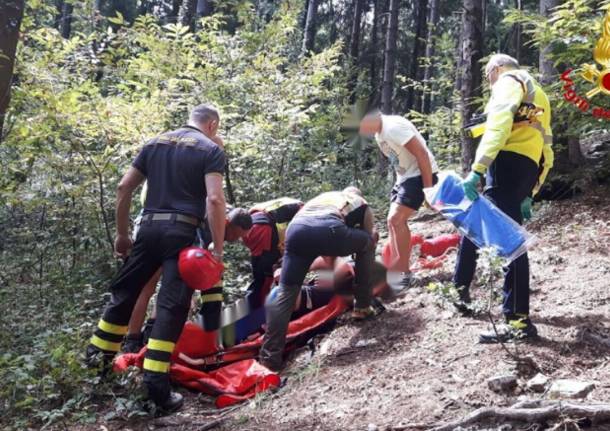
x=198, y=268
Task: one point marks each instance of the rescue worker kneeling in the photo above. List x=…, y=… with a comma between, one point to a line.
x=332, y=224
x=184, y=169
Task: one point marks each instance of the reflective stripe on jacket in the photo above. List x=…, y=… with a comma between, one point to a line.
x=531, y=138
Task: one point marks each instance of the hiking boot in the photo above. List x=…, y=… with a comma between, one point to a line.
x=133, y=343
x=377, y=306
x=514, y=330
x=365, y=313
x=398, y=283
x=172, y=404
x=462, y=305
x=96, y=359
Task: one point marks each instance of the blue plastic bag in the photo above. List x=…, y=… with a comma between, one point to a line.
x=480, y=221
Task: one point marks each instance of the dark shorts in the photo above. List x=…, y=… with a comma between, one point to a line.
x=410, y=192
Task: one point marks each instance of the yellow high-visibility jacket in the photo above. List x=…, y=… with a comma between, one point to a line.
x=532, y=138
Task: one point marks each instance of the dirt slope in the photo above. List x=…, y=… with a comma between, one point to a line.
x=419, y=362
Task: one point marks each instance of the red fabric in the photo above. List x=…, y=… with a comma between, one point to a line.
x=435, y=247
x=386, y=252
x=258, y=239
x=240, y=377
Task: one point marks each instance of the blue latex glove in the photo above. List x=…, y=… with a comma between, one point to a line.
x=470, y=183
x=526, y=208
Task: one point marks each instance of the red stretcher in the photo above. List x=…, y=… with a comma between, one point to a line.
x=233, y=375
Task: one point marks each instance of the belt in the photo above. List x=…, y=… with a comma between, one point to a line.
x=170, y=216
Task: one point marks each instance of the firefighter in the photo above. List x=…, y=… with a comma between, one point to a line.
x=332, y=224
x=184, y=170
x=266, y=243
x=238, y=223
x=516, y=158
x=415, y=166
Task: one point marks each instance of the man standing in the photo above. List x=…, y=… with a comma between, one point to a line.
x=516, y=152
x=331, y=224
x=238, y=224
x=401, y=142
x=184, y=170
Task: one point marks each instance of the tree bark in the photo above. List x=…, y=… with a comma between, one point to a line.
x=597, y=413
x=187, y=12
x=472, y=51
x=204, y=8
x=420, y=31
x=65, y=25
x=309, y=32
x=546, y=67
x=11, y=14
x=517, y=34
x=355, y=35
x=574, y=153
x=430, y=51
x=354, y=46
x=373, y=57
x=390, y=58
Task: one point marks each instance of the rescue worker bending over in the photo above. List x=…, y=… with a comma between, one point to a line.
x=184, y=170
x=415, y=166
x=332, y=224
x=238, y=223
x=517, y=157
x=266, y=243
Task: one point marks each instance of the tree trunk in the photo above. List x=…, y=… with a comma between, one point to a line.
x=574, y=153
x=65, y=25
x=420, y=16
x=390, y=58
x=546, y=67
x=187, y=12
x=430, y=51
x=472, y=51
x=355, y=35
x=11, y=14
x=517, y=35
x=59, y=4
x=175, y=10
x=204, y=8
x=354, y=46
x=373, y=57
x=309, y=33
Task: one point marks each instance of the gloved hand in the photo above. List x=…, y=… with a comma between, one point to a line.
x=470, y=183
x=526, y=208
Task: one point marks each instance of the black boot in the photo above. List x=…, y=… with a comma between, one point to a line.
x=96, y=359
x=133, y=343
x=463, y=304
x=172, y=404
x=515, y=329
x=159, y=391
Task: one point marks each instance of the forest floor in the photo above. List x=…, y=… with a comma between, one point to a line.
x=419, y=362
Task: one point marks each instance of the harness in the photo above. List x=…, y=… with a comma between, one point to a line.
x=526, y=114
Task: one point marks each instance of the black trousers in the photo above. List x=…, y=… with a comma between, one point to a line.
x=510, y=179
x=306, y=240
x=157, y=245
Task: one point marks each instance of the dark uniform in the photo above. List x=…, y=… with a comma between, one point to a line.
x=175, y=165
x=326, y=226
